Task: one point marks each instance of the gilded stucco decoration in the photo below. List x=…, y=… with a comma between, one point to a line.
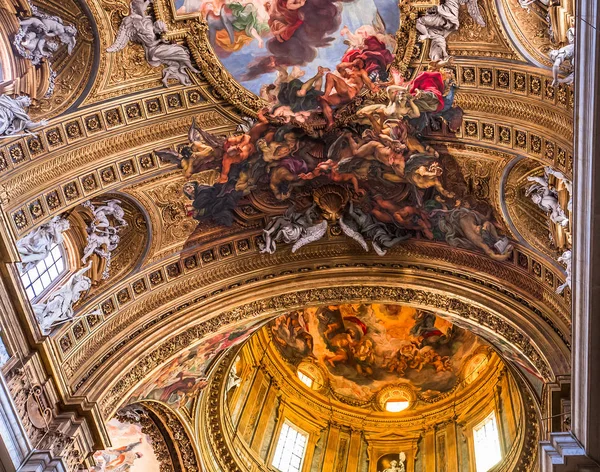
x=54, y=54
x=404, y=179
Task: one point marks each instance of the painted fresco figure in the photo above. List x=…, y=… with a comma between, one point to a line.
x=235, y=25
x=469, y=229
x=352, y=79
x=371, y=46
x=285, y=17
x=120, y=459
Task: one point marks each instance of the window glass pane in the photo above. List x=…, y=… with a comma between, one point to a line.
x=52, y=272
x=290, y=449
x=305, y=379
x=487, y=444
x=40, y=277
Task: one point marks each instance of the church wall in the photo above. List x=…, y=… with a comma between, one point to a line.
x=336, y=446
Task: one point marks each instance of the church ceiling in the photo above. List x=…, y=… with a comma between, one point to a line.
x=364, y=348
x=273, y=156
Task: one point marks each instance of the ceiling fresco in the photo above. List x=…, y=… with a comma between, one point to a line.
x=271, y=46
x=262, y=151
x=132, y=450
x=364, y=348
x=180, y=380
x=376, y=173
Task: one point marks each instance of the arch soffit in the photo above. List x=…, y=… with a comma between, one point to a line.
x=502, y=319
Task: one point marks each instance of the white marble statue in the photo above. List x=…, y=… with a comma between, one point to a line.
x=59, y=307
x=112, y=208
x=558, y=56
x=101, y=244
x=233, y=379
x=36, y=245
x=292, y=227
x=568, y=184
x=527, y=3
x=440, y=21
x=566, y=260
x=103, y=237
x=546, y=198
x=140, y=28
x=14, y=120
x=397, y=465
x=37, y=36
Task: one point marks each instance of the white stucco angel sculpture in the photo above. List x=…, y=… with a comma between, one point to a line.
x=36, y=245
x=440, y=21
x=293, y=227
x=397, y=465
x=140, y=28
x=558, y=56
x=37, y=36
x=59, y=307
x=546, y=198
x=112, y=208
x=103, y=237
x=567, y=183
x=565, y=258
x=14, y=120
x=359, y=225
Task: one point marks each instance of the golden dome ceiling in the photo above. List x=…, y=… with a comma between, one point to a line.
x=361, y=349
x=361, y=183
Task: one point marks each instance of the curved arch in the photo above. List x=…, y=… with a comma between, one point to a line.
x=500, y=321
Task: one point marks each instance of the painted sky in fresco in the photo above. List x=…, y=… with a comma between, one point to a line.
x=352, y=14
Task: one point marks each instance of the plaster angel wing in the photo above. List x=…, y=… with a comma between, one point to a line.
x=475, y=12
x=352, y=233
x=196, y=133
x=168, y=155
x=313, y=233
x=124, y=35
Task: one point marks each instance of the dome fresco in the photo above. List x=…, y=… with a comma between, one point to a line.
x=366, y=347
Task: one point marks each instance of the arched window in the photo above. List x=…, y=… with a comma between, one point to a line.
x=291, y=448
x=487, y=444
x=39, y=278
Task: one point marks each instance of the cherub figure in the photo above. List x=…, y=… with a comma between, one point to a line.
x=331, y=170
x=37, y=34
